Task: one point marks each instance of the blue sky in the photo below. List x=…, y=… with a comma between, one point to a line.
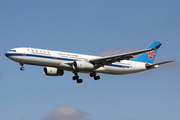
x=90, y=27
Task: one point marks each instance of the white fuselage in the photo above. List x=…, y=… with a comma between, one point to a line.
x=64, y=60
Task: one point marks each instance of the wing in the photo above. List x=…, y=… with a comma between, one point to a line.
x=116, y=58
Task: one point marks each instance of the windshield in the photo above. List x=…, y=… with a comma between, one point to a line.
x=12, y=51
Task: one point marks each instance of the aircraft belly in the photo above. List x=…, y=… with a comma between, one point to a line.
x=119, y=70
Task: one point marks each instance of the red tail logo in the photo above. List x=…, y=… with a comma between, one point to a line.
x=150, y=54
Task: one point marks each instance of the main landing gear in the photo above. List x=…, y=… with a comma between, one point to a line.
x=22, y=68
x=93, y=74
x=76, y=77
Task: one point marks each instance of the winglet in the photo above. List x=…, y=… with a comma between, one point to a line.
x=158, y=46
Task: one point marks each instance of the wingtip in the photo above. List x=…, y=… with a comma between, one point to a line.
x=172, y=60
x=158, y=46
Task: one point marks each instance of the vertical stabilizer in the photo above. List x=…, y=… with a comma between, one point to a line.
x=148, y=57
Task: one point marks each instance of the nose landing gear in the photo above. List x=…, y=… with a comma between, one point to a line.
x=22, y=68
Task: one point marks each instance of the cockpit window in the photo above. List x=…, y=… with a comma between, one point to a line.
x=12, y=51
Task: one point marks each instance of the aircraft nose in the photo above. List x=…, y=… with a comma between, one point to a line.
x=6, y=54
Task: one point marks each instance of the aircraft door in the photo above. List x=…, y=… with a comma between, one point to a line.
x=55, y=55
x=24, y=52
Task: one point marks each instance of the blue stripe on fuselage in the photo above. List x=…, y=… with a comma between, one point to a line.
x=121, y=66
x=57, y=58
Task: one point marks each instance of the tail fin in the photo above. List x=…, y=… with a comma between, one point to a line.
x=148, y=57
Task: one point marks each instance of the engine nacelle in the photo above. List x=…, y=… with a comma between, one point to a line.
x=51, y=71
x=83, y=65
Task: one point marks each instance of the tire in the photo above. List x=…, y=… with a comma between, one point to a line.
x=92, y=74
x=75, y=77
x=96, y=77
x=22, y=68
x=79, y=81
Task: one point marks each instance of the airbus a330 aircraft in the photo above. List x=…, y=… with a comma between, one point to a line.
x=55, y=62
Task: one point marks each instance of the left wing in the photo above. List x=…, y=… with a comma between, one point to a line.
x=119, y=57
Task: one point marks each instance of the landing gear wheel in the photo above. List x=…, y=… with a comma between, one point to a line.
x=92, y=74
x=22, y=68
x=79, y=81
x=96, y=77
x=75, y=77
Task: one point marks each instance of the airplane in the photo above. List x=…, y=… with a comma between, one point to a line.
x=56, y=62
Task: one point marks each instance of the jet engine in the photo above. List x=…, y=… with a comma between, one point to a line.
x=51, y=71
x=83, y=65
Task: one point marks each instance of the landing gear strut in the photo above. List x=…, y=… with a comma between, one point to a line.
x=93, y=74
x=76, y=77
x=22, y=68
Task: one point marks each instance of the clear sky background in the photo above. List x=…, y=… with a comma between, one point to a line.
x=90, y=27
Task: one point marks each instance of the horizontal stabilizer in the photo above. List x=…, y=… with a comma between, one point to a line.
x=150, y=66
x=163, y=62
